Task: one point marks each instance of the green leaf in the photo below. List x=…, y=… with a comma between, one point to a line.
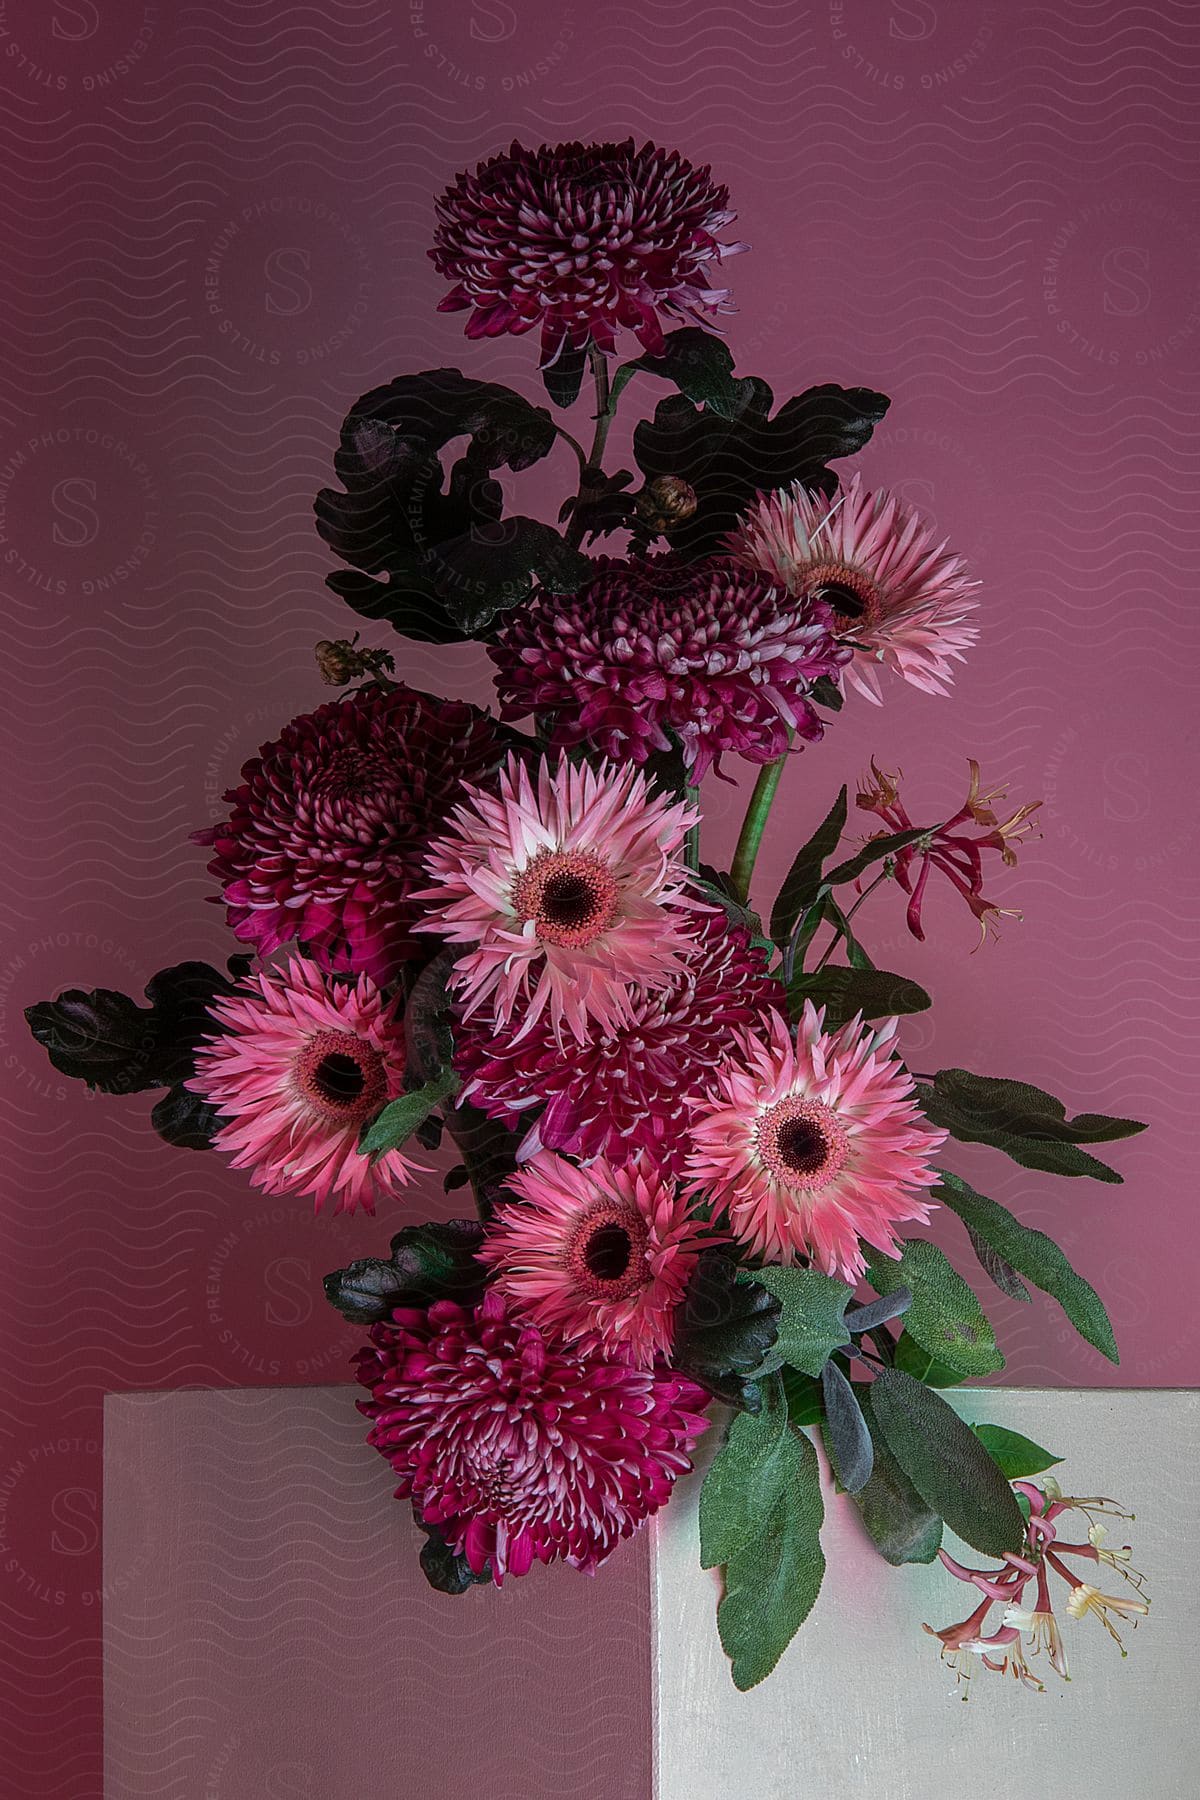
x=826, y=692
x=724, y=1330
x=107, y=1040
x=489, y=570
x=744, y=1476
x=701, y=367
x=443, y=1568
x=428, y=1262
x=873, y=851
x=429, y=554
x=761, y=1513
x=998, y=1272
x=946, y=1463
x=844, y=992
x=184, y=1120
x=856, y=956
x=1025, y=1122
x=803, y=879
x=805, y=1397
x=917, y=1362
x=945, y=1318
x=726, y=461
x=1014, y=1455
x=401, y=1116
x=812, y=1323
x=563, y=378
x=847, y=1439
x=715, y=886
x=1033, y=1255
x=896, y=1519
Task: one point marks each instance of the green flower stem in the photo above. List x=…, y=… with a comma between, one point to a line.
x=753, y=826
x=692, y=841
x=593, y=467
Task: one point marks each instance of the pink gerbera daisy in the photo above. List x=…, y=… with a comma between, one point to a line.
x=571, y=890
x=635, y=1088
x=302, y=1061
x=598, y=1250
x=814, y=1142
x=898, y=596
x=516, y=1446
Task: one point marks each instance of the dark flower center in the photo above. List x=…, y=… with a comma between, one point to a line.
x=852, y=596
x=605, y=1255
x=570, y=895
x=844, y=601
x=607, y=1252
x=341, y=1077
x=568, y=901
x=802, y=1142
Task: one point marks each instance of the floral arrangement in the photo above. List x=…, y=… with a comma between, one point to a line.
x=689, y=1129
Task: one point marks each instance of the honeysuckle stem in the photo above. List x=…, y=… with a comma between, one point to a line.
x=838, y=933
x=753, y=826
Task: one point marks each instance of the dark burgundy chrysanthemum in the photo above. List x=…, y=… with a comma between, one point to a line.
x=582, y=239
x=634, y=1088
x=330, y=826
x=708, y=651
x=517, y=1447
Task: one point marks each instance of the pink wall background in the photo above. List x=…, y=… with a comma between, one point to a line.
x=215, y=221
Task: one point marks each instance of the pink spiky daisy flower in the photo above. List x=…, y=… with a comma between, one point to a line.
x=517, y=1447
x=328, y=828
x=602, y=1250
x=634, y=1088
x=721, y=659
x=899, y=597
x=815, y=1141
x=571, y=889
x=582, y=239
x=301, y=1062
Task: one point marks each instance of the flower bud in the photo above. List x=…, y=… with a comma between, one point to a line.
x=666, y=501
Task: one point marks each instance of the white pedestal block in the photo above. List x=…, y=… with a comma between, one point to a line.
x=268, y=1635
x=861, y=1707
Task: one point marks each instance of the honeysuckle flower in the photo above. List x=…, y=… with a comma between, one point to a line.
x=583, y=240
x=1086, y=1599
x=569, y=892
x=899, y=597
x=1041, y=1557
x=812, y=1142
x=1043, y=1633
x=949, y=847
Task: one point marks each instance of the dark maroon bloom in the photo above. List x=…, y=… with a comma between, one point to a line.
x=331, y=824
x=709, y=652
x=515, y=1446
x=634, y=1088
x=948, y=847
x=582, y=239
